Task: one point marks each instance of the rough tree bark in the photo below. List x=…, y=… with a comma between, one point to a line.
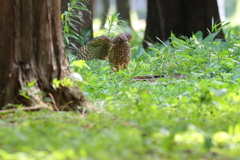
x=87, y=17
x=31, y=48
x=123, y=7
x=182, y=17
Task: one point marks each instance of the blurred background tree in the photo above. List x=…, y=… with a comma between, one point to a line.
x=181, y=17
x=106, y=5
x=123, y=7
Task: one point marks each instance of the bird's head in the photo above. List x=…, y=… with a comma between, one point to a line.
x=121, y=39
x=129, y=36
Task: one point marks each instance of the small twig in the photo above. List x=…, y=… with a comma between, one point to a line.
x=62, y=108
x=23, y=109
x=54, y=102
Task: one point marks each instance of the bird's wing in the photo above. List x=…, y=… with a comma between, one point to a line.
x=100, y=41
x=102, y=45
x=96, y=49
x=85, y=53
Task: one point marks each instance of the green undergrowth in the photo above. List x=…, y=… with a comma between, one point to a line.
x=193, y=118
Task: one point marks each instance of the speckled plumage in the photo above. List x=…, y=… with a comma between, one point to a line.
x=96, y=49
x=117, y=50
x=119, y=53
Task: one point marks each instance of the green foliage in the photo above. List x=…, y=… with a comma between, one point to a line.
x=192, y=118
x=65, y=82
x=71, y=18
x=29, y=88
x=78, y=63
x=113, y=24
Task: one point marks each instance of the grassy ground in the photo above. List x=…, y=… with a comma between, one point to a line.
x=194, y=118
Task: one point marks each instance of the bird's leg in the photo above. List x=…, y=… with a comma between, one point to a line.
x=123, y=66
x=115, y=68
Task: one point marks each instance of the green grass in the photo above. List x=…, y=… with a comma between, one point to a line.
x=195, y=118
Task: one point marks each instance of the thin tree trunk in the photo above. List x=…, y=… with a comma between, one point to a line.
x=31, y=48
x=182, y=17
x=123, y=7
x=106, y=5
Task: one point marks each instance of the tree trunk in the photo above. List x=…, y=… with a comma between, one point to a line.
x=106, y=5
x=31, y=48
x=86, y=25
x=182, y=17
x=123, y=7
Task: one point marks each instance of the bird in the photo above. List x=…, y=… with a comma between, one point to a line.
x=95, y=49
x=116, y=50
x=119, y=53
